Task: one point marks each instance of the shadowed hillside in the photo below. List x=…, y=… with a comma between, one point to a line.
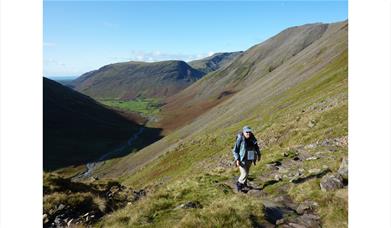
x=77, y=129
x=129, y=80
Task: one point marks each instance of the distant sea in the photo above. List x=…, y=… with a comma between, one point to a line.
x=62, y=78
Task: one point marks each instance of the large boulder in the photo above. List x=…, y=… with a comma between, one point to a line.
x=343, y=169
x=331, y=182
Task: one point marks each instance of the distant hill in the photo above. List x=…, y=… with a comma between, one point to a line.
x=129, y=80
x=76, y=128
x=214, y=62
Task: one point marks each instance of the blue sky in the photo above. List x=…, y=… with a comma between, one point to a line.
x=80, y=36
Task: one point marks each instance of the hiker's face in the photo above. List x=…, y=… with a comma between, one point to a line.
x=246, y=134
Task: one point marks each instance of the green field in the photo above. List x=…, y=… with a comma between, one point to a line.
x=145, y=106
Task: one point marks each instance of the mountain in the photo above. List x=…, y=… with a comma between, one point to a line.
x=245, y=70
x=292, y=90
x=129, y=80
x=76, y=128
x=298, y=111
x=214, y=62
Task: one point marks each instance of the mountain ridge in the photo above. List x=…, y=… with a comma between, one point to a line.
x=128, y=80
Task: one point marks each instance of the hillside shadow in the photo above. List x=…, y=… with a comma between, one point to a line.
x=97, y=151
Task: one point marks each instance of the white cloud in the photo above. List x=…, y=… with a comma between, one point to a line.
x=155, y=56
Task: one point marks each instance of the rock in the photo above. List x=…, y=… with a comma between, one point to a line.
x=306, y=206
x=310, y=146
x=312, y=158
x=280, y=221
x=45, y=218
x=331, y=182
x=275, y=211
x=189, y=204
x=295, y=225
x=343, y=169
x=69, y=222
x=277, y=177
x=60, y=207
x=325, y=142
x=310, y=220
x=342, y=142
x=311, y=124
x=314, y=171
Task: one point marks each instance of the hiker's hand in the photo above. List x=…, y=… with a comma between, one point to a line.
x=237, y=163
x=259, y=158
x=254, y=162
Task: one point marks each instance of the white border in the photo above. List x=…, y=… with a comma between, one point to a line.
x=21, y=113
x=369, y=113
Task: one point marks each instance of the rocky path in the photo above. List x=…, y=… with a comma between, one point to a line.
x=280, y=210
x=93, y=165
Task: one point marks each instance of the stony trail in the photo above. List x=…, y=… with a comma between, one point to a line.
x=93, y=165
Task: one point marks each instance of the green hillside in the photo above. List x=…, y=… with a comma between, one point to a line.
x=299, y=113
x=293, y=91
x=196, y=169
x=129, y=80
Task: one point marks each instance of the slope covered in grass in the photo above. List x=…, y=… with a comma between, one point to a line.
x=299, y=114
x=129, y=80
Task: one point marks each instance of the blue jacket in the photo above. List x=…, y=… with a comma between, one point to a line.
x=239, y=150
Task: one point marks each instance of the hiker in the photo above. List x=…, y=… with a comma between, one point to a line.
x=246, y=152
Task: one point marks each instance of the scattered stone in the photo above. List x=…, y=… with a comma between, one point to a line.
x=295, y=225
x=343, y=169
x=60, y=207
x=189, y=204
x=69, y=222
x=312, y=158
x=45, y=218
x=310, y=146
x=311, y=124
x=280, y=221
x=326, y=142
x=297, y=178
x=306, y=206
x=275, y=211
x=310, y=220
x=331, y=182
x=277, y=177
x=283, y=170
x=296, y=158
x=314, y=171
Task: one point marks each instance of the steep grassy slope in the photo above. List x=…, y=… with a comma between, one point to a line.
x=129, y=80
x=250, y=66
x=299, y=113
x=76, y=128
x=215, y=62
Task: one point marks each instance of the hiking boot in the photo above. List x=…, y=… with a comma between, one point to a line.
x=239, y=186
